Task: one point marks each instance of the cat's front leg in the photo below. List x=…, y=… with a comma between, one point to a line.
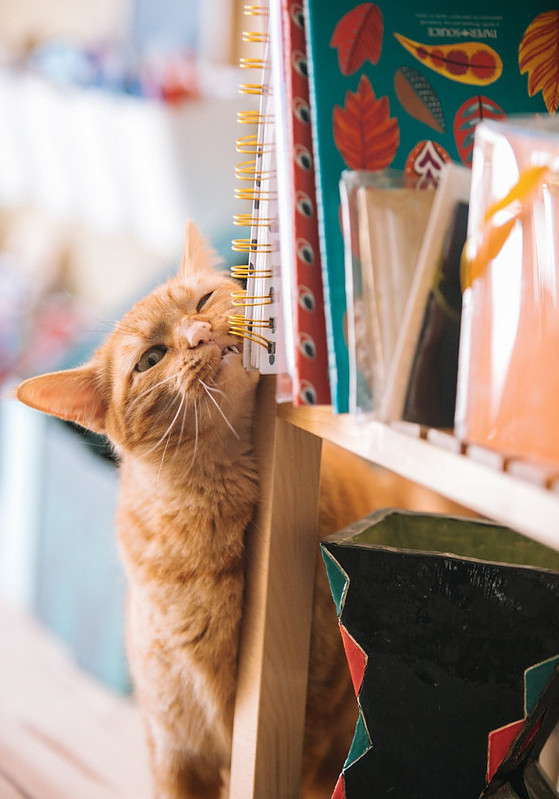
x=177, y=774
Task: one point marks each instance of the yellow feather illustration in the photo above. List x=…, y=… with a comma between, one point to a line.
x=480, y=251
x=538, y=55
x=529, y=181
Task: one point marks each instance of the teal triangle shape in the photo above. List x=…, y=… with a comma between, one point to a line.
x=535, y=680
x=361, y=742
x=337, y=578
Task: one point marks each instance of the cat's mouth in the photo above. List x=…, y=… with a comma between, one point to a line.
x=230, y=349
x=229, y=354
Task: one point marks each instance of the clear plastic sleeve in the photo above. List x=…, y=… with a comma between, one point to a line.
x=508, y=378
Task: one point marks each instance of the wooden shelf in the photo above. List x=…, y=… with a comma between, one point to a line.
x=514, y=493
x=269, y=714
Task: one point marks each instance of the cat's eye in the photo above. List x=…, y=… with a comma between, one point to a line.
x=203, y=300
x=150, y=358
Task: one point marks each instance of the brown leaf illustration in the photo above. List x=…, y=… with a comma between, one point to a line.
x=365, y=135
x=418, y=97
x=358, y=37
x=538, y=55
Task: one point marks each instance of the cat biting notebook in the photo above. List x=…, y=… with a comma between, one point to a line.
x=169, y=390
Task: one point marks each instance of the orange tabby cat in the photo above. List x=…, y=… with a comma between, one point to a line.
x=169, y=390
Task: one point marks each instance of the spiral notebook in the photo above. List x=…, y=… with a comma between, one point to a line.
x=257, y=316
x=280, y=316
x=403, y=85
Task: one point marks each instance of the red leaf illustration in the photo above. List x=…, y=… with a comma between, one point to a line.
x=365, y=135
x=467, y=117
x=358, y=37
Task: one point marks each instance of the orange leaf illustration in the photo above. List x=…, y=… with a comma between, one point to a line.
x=365, y=135
x=358, y=37
x=538, y=55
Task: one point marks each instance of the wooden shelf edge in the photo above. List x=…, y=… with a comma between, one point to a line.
x=528, y=508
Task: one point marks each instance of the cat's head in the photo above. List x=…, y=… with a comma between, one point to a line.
x=169, y=374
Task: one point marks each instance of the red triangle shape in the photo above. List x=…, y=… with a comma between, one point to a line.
x=339, y=790
x=499, y=744
x=356, y=658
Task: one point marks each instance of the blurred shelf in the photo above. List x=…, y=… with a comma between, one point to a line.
x=117, y=163
x=518, y=494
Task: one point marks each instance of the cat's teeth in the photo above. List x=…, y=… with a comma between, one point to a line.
x=230, y=348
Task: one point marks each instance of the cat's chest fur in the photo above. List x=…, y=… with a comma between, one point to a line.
x=181, y=536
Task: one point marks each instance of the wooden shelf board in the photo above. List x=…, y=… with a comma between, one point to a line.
x=281, y=561
x=476, y=482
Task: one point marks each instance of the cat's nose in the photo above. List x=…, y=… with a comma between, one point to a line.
x=195, y=332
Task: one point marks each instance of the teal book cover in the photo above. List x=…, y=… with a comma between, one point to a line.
x=403, y=85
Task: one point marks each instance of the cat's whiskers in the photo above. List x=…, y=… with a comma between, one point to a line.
x=210, y=388
x=191, y=464
x=168, y=435
x=182, y=426
x=164, y=410
x=120, y=327
x=225, y=419
x=152, y=388
x=168, y=430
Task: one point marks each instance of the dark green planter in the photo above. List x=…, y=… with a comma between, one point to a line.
x=438, y=645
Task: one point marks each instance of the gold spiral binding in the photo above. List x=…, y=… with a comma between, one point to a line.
x=249, y=220
x=253, y=63
x=244, y=271
x=250, y=245
x=255, y=337
x=242, y=327
x=252, y=146
x=246, y=167
x=255, y=10
x=242, y=320
x=247, y=170
x=254, y=195
x=247, y=144
x=241, y=299
x=240, y=324
x=255, y=37
x=254, y=88
x=253, y=118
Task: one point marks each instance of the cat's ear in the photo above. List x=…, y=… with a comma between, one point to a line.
x=198, y=258
x=73, y=395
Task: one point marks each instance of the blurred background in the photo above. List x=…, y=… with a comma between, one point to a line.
x=117, y=122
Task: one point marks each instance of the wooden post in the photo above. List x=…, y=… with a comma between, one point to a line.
x=282, y=546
